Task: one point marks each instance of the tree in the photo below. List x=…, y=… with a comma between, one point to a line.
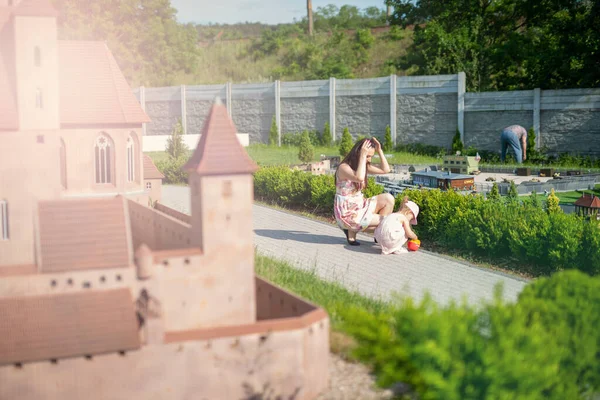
x=346, y=143
x=513, y=194
x=306, y=151
x=494, y=194
x=552, y=203
x=504, y=45
x=457, y=144
x=175, y=145
x=326, y=139
x=388, y=145
x=150, y=46
x=273, y=133
x=531, y=151
x=534, y=201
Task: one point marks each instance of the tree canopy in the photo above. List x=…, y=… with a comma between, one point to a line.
x=504, y=45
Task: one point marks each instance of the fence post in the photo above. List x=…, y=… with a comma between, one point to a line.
x=461, y=105
x=183, y=110
x=537, y=94
x=278, y=110
x=393, y=92
x=143, y=104
x=332, y=107
x=228, y=99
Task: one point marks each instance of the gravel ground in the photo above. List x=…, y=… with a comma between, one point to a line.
x=351, y=381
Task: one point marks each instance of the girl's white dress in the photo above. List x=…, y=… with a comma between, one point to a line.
x=390, y=235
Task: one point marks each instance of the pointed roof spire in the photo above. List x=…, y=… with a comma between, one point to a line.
x=35, y=8
x=219, y=151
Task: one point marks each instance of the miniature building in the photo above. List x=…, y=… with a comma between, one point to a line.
x=443, y=180
x=460, y=164
x=320, y=167
x=152, y=180
x=102, y=295
x=588, y=205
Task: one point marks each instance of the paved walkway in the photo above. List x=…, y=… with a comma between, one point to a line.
x=314, y=245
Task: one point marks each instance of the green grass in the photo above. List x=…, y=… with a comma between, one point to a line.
x=572, y=197
x=331, y=296
x=288, y=155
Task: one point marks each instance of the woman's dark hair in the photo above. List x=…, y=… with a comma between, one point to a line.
x=353, y=157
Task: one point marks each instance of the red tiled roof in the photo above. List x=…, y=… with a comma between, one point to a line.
x=92, y=88
x=150, y=170
x=83, y=234
x=589, y=201
x=219, y=151
x=37, y=328
x=35, y=8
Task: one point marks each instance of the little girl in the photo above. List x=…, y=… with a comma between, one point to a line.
x=394, y=231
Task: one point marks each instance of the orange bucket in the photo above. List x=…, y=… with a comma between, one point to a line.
x=413, y=244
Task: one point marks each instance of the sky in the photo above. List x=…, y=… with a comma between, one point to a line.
x=265, y=11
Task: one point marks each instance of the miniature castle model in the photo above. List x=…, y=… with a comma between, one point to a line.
x=102, y=295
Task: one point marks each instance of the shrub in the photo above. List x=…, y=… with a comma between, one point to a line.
x=388, y=144
x=273, y=133
x=346, y=143
x=552, y=203
x=291, y=139
x=326, y=138
x=306, y=151
x=172, y=169
x=513, y=194
x=458, y=352
x=457, y=144
x=494, y=193
x=175, y=146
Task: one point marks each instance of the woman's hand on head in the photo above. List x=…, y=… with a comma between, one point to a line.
x=376, y=144
x=366, y=146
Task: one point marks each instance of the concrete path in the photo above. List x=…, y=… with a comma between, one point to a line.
x=314, y=245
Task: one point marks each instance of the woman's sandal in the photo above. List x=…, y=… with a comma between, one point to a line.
x=352, y=242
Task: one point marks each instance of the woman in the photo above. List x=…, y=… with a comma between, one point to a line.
x=514, y=136
x=353, y=212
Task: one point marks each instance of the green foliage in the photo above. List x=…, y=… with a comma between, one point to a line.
x=538, y=242
x=545, y=346
x=552, y=203
x=513, y=194
x=273, y=133
x=346, y=143
x=150, y=46
x=282, y=186
x=175, y=146
x=388, y=144
x=306, y=150
x=494, y=193
x=531, y=152
x=172, y=169
x=359, y=138
x=326, y=137
x=504, y=45
x=457, y=144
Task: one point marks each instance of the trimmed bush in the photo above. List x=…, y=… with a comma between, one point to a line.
x=273, y=134
x=306, y=150
x=346, y=143
x=388, y=144
x=326, y=138
x=545, y=346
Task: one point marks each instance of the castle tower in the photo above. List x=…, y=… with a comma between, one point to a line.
x=221, y=185
x=35, y=51
x=222, y=193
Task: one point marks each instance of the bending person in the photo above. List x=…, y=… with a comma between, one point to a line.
x=514, y=136
x=353, y=212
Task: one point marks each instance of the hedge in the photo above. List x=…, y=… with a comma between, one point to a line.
x=523, y=233
x=544, y=346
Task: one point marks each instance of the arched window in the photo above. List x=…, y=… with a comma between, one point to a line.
x=4, y=220
x=130, y=159
x=63, y=164
x=37, y=56
x=103, y=157
x=39, y=100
